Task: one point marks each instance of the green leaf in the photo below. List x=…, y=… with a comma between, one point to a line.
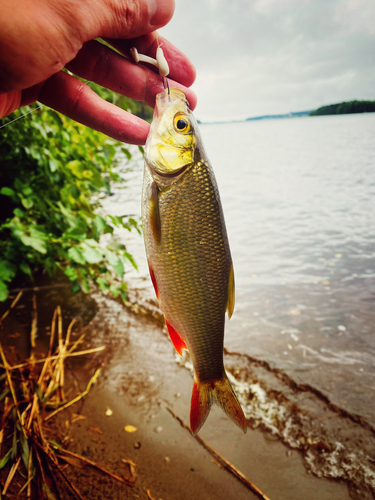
x=5, y=459
x=119, y=268
x=131, y=260
x=25, y=268
x=74, y=191
x=4, y=394
x=127, y=153
x=25, y=449
x=53, y=165
x=114, y=245
x=99, y=224
x=4, y=292
x=35, y=243
x=76, y=255
x=91, y=255
x=56, y=445
x=71, y=272
x=103, y=285
x=27, y=202
x=115, y=290
x=85, y=285
x=7, y=191
x=76, y=287
x=107, y=185
x=18, y=212
x=7, y=270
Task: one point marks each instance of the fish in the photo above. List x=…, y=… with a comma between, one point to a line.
x=188, y=251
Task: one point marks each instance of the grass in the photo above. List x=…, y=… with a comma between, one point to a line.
x=32, y=393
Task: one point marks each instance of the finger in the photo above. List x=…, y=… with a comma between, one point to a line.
x=9, y=102
x=128, y=19
x=181, y=68
x=39, y=37
x=102, y=65
x=73, y=98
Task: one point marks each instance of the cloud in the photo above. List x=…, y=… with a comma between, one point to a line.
x=258, y=57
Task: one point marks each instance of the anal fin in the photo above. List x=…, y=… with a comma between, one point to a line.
x=176, y=339
x=231, y=293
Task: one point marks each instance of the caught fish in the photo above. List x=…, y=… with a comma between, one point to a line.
x=188, y=251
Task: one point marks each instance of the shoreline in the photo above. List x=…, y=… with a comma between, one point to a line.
x=140, y=382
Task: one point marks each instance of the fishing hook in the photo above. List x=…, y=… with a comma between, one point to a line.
x=160, y=62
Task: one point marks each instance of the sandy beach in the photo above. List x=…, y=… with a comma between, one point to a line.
x=144, y=387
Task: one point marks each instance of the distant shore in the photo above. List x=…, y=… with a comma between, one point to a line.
x=341, y=108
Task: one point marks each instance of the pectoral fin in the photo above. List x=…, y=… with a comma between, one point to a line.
x=154, y=282
x=153, y=201
x=231, y=294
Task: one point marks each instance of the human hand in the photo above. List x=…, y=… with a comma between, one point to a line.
x=40, y=37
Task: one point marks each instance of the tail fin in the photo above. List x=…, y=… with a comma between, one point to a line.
x=219, y=392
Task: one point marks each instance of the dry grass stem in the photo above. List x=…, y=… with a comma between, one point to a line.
x=222, y=461
x=11, y=475
x=127, y=481
x=51, y=358
x=27, y=395
x=34, y=323
x=19, y=295
x=75, y=400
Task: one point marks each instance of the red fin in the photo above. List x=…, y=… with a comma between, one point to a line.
x=153, y=279
x=201, y=402
x=176, y=339
x=219, y=392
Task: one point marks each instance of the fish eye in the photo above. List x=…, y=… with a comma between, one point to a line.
x=181, y=124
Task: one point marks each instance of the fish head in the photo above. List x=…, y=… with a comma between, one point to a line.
x=172, y=140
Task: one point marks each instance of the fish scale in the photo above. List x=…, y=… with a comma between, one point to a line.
x=194, y=244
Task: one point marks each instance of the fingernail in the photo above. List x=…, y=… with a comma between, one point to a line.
x=161, y=12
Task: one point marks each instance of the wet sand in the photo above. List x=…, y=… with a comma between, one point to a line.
x=140, y=381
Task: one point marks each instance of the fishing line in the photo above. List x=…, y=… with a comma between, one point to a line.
x=22, y=116
x=32, y=111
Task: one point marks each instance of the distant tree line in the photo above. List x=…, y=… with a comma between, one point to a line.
x=344, y=108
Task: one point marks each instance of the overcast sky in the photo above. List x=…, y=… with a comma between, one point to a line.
x=257, y=57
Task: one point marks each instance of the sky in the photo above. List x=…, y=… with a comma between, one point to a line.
x=259, y=57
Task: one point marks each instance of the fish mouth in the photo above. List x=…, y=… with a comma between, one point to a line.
x=165, y=99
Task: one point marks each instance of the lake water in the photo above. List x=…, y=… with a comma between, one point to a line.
x=299, y=203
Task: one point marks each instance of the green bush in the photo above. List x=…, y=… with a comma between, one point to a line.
x=343, y=108
x=50, y=168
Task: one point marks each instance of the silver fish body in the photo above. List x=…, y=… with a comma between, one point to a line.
x=188, y=251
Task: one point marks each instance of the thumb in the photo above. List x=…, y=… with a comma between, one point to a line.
x=134, y=18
